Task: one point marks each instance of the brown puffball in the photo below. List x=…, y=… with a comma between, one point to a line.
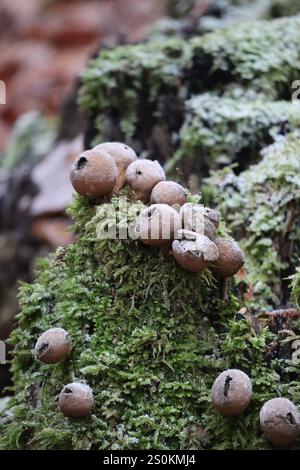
x=94, y=174
x=168, y=192
x=122, y=154
x=195, y=255
x=142, y=176
x=200, y=219
x=53, y=346
x=76, y=400
x=231, y=392
x=157, y=225
x=280, y=421
x=231, y=258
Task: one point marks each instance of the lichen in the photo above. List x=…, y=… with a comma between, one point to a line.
x=138, y=93
x=262, y=207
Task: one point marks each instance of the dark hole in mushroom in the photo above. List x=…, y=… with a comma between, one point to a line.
x=43, y=347
x=138, y=172
x=81, y=163
x=151, y=212
x=291, y=418
x=68, y=391
x=228, y=380
x=125, y=147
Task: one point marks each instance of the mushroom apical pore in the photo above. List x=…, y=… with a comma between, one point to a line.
x=123, y=156
x=200, y=219
x=53, y=346
x=195, y=255
x=157, y=225
x=231, y=392
x=168, y=192
x=231, y=258
x=76, y=400
x=142, y=175
x=94, y=174
x=280, y=421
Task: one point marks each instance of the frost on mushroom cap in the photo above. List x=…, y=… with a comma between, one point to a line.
x=231, y=392
x=123, y=156
x=195, y=255
x=231, y=257
x=168, y=192
x=142, y=175
x=76, y=400
x=94, y=174
x=280, y=421
x=53, y=345
x=157, y=224
x=200, y=219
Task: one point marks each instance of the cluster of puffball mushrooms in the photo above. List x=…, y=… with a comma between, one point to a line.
x=192, y=228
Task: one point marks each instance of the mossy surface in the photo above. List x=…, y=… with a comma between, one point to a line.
x=138, y=93
x=262, y=207
x=148, y=337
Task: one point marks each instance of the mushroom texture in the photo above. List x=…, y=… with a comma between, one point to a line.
x=94, y=174
x=168, y=192
x=76, y=400
x=196, y=254
x=157, y=225
x=231, y=258
x=53, y=346
x=200, y=219
x=123, y=156
x=142, y=176
x=231, y=392
x=280, y=421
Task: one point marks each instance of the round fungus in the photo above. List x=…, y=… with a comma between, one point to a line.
x=231, y=258
x=157, y=225
x=280, y=422
x=142, y=175
x=76, y=400
x=53, y=346
x=231, y=392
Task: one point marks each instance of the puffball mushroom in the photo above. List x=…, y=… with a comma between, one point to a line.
x=94, y=174
x=142, y=175
x=76, y=400
x=195, y=255
x=157, y=225
x=231, y=258
x=123, y=156
x=280, y=421
x=168, y=192
x=53, y=346
x=200, y=219
x=231, y=392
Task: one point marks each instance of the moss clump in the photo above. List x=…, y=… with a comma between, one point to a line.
x=138, y=93
x=262, y=207
x=148, y=337
x=221, y=130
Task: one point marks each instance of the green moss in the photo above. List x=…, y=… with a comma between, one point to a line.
x=147, y=336
x=138, y=93
x=262, y=208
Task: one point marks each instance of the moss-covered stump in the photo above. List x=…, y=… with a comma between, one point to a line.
x=262, y=207
x=139, y=93
x=148, y=337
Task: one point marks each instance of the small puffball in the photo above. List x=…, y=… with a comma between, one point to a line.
x=231, y=258
x=53, y=346
x=142, y=176
x=76, y=400
x=200, y=219
x=168, y=192
x=94, y=174
x=157, y=225
x=195, y=255
x=231, y=392
x=123, y=156
x=280, y=421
